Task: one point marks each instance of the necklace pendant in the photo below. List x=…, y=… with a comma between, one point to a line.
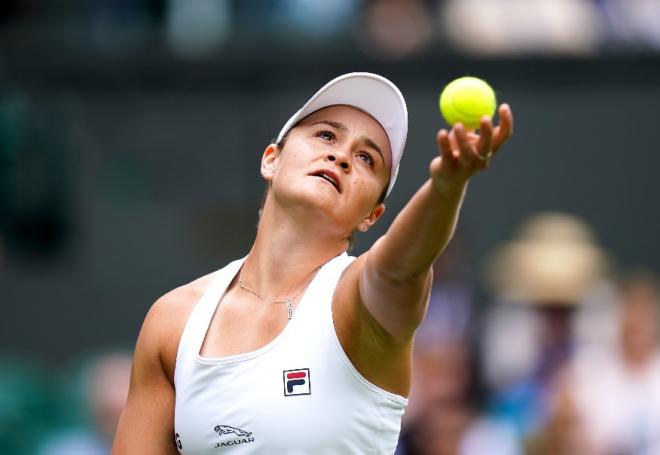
x=289, y=308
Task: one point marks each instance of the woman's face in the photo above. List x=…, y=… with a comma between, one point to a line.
x=336, y=162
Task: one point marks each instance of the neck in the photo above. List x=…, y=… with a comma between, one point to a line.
x=286, y=252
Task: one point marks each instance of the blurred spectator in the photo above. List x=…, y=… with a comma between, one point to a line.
x=383, y=29
x=106, y=392
x=618, y=390
x=451, y=310
x=316, y=19
x=512, y=27
x=443, y=416
x=438, y=411
x=633, y=23
x=563, y=431
x=295, y=22
x=441, y=361
x=196, y=30
x=539, y=279
x=394, y=29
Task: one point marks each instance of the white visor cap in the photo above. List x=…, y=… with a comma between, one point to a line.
x=371, y=93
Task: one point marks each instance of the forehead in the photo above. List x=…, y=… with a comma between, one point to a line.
x=358, y=122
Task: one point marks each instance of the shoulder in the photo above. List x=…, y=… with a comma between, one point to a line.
x=170, y=308
x=394, y=308
x=166, y=319
x=151, y=396
x=381, y=358
x=351, y=316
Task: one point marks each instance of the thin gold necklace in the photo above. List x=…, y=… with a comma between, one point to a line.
x=288, y=301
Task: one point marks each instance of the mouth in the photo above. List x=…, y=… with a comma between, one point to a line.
x=329, y=177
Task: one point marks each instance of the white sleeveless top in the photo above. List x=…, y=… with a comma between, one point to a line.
x=299, y=394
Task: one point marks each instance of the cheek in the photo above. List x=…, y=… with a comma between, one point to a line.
x=287, y=162
x=368, y=191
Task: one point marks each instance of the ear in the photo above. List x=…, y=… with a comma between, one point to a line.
x=269, y=161
x=371, y=219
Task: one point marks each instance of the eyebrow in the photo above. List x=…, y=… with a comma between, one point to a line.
x=340, y=126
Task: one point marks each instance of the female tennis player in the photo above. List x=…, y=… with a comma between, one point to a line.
x=298, y=347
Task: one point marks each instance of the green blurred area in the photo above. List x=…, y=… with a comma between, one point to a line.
x=43, y=406
x=131, y=131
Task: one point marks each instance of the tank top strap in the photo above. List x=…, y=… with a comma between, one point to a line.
x=324, y=284
x=201, y=315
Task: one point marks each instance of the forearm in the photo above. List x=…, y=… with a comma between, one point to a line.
x=421, y=230
x=395, y=279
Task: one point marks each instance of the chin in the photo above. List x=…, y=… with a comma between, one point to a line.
x=309, y=197
x=317, y=205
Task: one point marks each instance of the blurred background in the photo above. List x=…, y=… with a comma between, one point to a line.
x=130, y=139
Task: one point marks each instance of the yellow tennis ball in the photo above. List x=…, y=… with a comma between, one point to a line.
x=466, y=100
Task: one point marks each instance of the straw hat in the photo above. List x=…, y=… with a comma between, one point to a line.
x=554, y=260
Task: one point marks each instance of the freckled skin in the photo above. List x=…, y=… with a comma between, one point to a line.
x=380, y=298
x=307, y=151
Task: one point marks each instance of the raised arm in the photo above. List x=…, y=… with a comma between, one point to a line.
x=395, y=277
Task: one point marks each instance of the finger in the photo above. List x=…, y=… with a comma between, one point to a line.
x=505, y=129
x=472, y=137
x=484, y=145
x=444, y=143
x=455, y=148
x=463, y=142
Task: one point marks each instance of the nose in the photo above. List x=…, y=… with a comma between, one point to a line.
x=341, y=159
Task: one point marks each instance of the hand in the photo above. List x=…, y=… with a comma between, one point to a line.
x=464, y=153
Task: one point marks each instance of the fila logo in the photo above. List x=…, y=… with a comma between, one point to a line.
x=297, y=382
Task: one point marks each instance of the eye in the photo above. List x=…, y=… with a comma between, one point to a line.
x=326, y=135
x=367, y=158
